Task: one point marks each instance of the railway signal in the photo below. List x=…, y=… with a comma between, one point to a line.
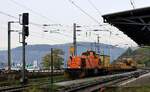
x=25, y=18
x=25, y=23
x=25, y=32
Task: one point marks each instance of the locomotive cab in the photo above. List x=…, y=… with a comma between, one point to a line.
x=87, y=63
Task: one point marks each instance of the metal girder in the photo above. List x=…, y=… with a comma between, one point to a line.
x=144, y=23
x=132, y=22
x=136, y=17
x=125, y=23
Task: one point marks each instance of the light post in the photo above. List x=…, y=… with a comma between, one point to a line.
x=52, y=63
x=52, y=69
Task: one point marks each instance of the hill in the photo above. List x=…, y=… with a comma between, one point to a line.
x=36, y=52
x=140, y=55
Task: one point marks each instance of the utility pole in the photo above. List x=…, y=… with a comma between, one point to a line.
x=132, y=3
x=95, y=46
x=91, y=46
x=9, y=46
x=98, y=48
x=51, y=69
x=74, y=39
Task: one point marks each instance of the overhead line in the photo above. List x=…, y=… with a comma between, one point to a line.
x=9, y=15
x=40, y=36
x=35, y=24
x=6, y=14
x=83, y=11
x=39, y=14
x=66, y=35
x=94, y=7
x=47, y=37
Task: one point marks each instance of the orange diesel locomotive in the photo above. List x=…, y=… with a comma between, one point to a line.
x=89, y=63
x=92, y=64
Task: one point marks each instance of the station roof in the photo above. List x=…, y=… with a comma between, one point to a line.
x=134, y=23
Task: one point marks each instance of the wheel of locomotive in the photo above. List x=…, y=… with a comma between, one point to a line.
x=96, y=71
x=82, y=73
x=105, y=71
x=66, y=74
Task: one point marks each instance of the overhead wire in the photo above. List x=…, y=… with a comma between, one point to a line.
x=25, y=7
x=45, y=16
x=92, y=4
x=6, y=14
x=39, y=14
x=35, y=24
x=44, y=37
x=91, y=17
x=58, y=32
x=66, y=35
x=9, y=15
x=38, y=25
x=40, y=36
x=100, y=24
x=47, y=37
x=48, y=40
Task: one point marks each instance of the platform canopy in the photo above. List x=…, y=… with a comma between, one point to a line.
x=134, y=23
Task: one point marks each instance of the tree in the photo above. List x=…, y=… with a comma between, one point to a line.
x=57, y=59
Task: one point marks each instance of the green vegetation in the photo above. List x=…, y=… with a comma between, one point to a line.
x=44, y=87
x=35, y=82
x=140, y=55
x=57, y=57
x=33, y=89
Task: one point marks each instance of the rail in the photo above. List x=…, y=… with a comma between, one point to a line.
x=100, y=82
x=30, y=74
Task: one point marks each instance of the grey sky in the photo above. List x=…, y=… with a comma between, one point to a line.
x=62, y=12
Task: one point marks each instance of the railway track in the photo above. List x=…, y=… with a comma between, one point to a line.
x=33, y=82
x=98, y=83
x=12, y=88
x=14, y=85
x=20, y=88
x=16, y=75
x=81, y=85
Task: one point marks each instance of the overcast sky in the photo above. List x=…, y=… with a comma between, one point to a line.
x=65, y=13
